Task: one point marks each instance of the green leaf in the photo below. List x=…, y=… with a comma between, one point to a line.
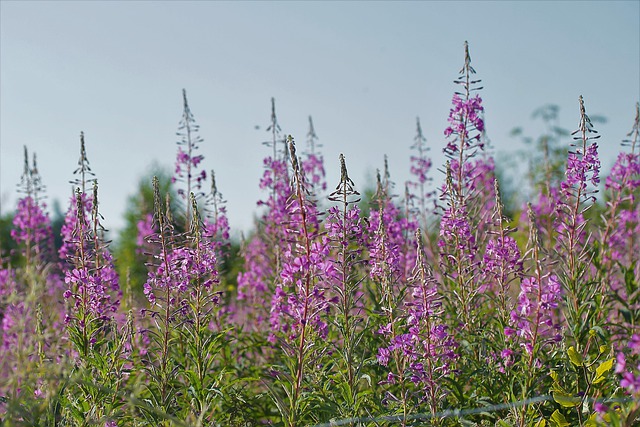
x=566, y=400
x=592, y=421
x=541, y=423
x=602, y=369
x=574, y=356
x=558, y=419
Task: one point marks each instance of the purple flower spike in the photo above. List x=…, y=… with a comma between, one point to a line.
x=533, y=319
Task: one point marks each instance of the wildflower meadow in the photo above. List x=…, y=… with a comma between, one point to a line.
x=397, y=304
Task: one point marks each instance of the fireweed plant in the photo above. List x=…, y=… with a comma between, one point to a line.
x=186, y=173
x=299, y=304
x=263, y=251
x=420, y=199
x=345, y=232
x=339, y=309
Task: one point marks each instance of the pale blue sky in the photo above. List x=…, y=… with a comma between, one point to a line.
x=363, y=70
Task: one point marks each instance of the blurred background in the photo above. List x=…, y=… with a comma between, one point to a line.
x=363, y=70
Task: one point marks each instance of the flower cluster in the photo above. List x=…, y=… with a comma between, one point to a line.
x=466, y=124
x=313, y=163
x=15, y=317
x=299, y=299
x=630, y=374
x=625, y=173
x=32, y=225
x=384, y=251
x=419, y=341
x=465, y=188
x=259, y=271
x=350, y=227
x=583, y=164
x=455, y=230
x=501, y=259
x=313, y=169
x=263, y=251
x=276, y=180
x=186, y=160
x=217, y=230
x=544, y=209
x=69, y=230
x=306, y=302
x=7, y=281
x=175, y=276
x=184, y=164
x=145, y=229
x=623, y=219
x=533, y=322
x=216, y=223
x=252, y=281
x=502, y=253
x=427, y=329
x=390, y=235
x=92, y=280
x=465, y=116
x=582, y=168
x=91, y=290
x=420, y=167
x=624, y=236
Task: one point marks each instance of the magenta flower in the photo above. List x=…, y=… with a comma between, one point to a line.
x=145, y=229
x=464, y=118
x=14, y=320
x=390, y=239
x=313, y=169
x=299, y=300
x=533, y=321
x=313, y=163
x=262, y=251
x=456, y=231
x=187, y=160
x=69, y=230
x=582, y=168
x=7, y=281
x=32, y=227
x=501, y=261
x=623, y=215
x=420, y=168
x=625, y=173
x=418, y=339
x=350, y=227
x=384, y=353
x=384, y=253
x=92, y=290
x=252, y=282
x=183, y=266
x=630, y=372
x=92, y=281
x=502, y=253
